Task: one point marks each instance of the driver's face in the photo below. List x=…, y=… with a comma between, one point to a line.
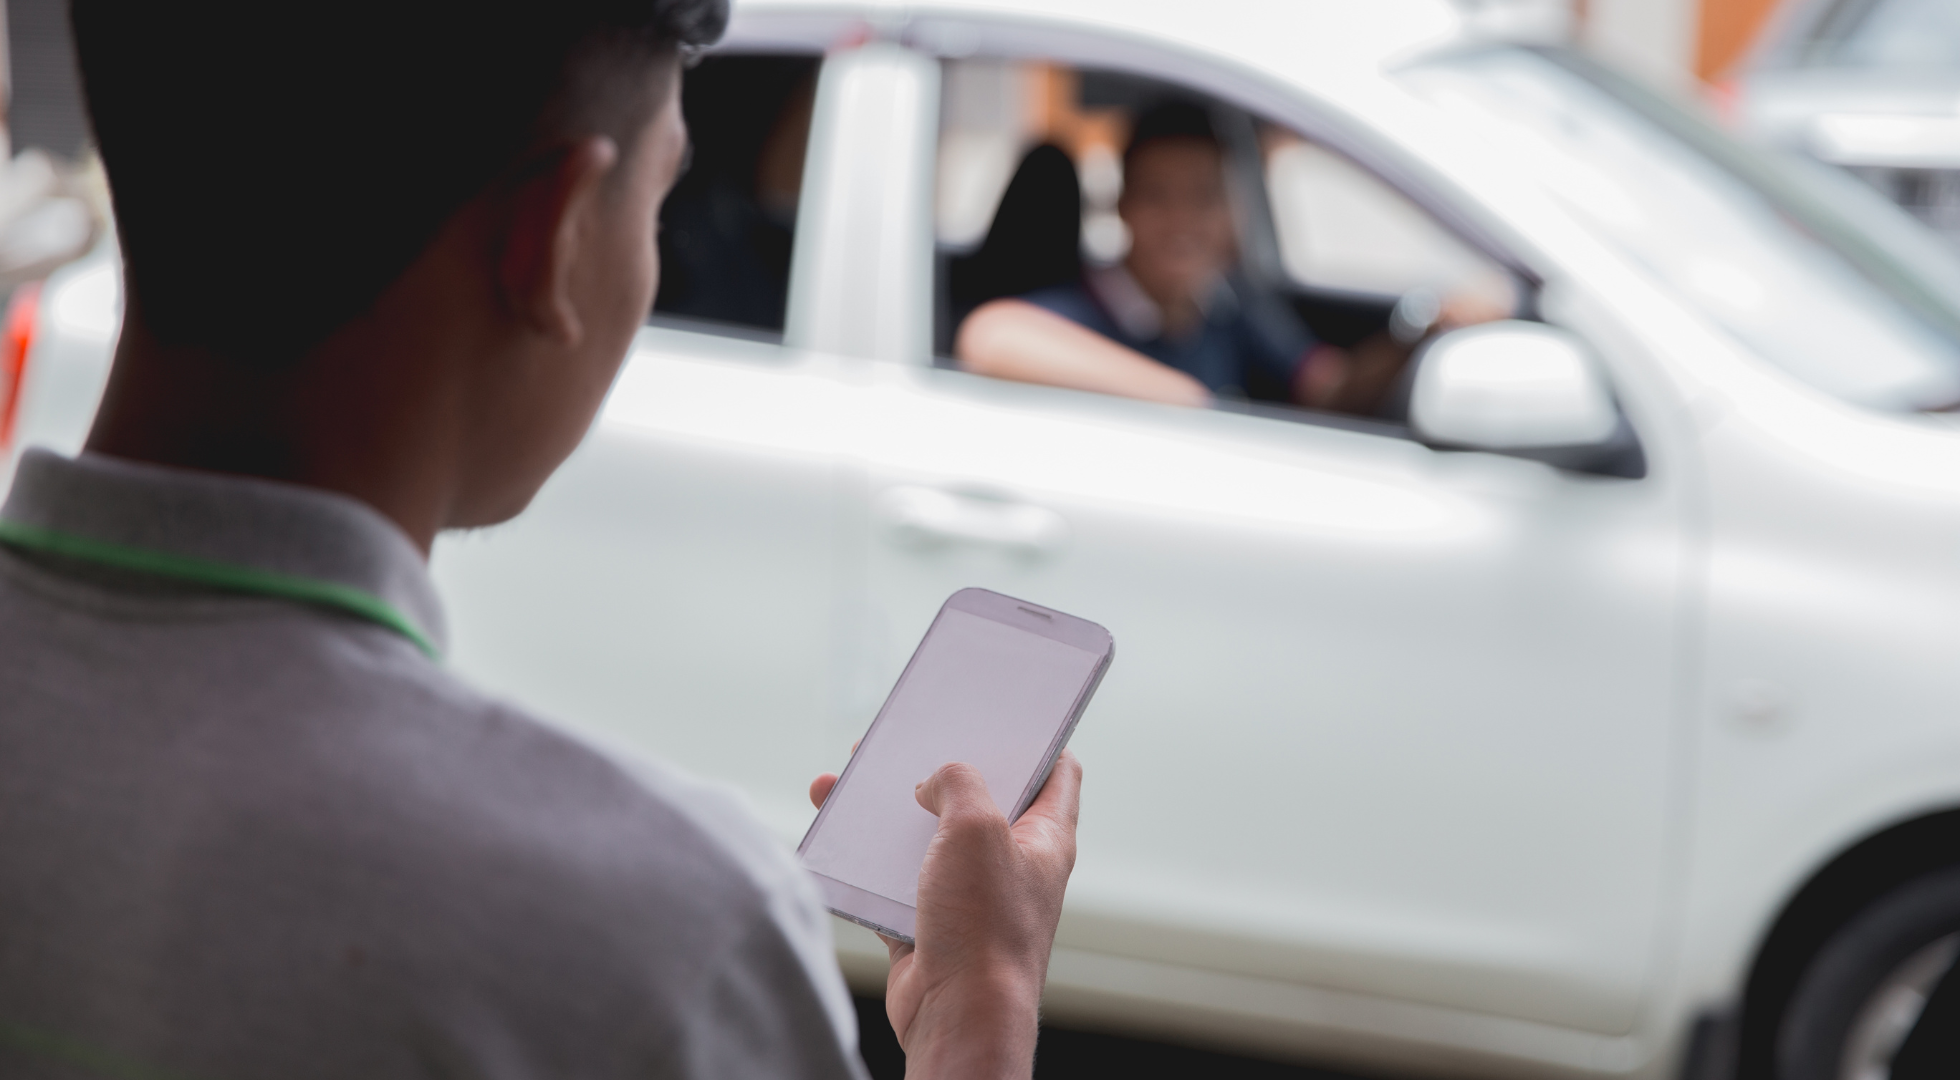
x=1180, y=224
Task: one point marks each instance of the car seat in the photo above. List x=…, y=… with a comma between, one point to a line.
x=1035, y=241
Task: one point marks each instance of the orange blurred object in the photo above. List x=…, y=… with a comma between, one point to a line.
x=1728, y=28
x=16, y=338
x=1056, y=114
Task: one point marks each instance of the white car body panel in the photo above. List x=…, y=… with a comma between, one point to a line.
x=1542, y=608
x=611, y=604
x=1448, y=761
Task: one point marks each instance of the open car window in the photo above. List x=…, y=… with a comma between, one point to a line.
x=1031, y=205
x=1341, y=229
x=727, y=229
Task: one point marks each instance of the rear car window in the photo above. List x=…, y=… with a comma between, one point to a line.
x=727, y=230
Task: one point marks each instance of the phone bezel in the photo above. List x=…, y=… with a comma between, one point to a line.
x=892, y=918
x=1032, y=617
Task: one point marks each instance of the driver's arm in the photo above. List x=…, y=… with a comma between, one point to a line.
x=1013, y=339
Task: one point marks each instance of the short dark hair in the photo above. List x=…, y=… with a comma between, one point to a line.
x=275, y=165
x=1174, y=119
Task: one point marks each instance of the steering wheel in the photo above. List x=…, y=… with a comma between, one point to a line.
x=1415, y=315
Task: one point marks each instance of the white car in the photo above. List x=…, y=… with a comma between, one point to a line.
x=1598, y=717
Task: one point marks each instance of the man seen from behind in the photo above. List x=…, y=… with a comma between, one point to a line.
x=382, y=263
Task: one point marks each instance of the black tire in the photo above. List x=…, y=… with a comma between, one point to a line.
x=1866, y=954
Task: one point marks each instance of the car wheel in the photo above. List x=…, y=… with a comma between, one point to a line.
x=1860, y=996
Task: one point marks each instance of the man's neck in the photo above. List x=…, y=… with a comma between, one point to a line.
x=352, y=416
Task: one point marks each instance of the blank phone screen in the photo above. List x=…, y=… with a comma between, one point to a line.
x=978, y=691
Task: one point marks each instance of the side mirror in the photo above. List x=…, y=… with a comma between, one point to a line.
x=1511, y=386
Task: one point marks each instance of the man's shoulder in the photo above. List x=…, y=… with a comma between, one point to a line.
x=322, y=789
x=511, y=847
x=342, y=737
x=641, y=885
x=516, y=794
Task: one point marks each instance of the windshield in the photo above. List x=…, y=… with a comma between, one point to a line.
x=1805, y=266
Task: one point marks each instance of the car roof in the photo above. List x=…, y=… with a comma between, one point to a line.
x=1306, y=42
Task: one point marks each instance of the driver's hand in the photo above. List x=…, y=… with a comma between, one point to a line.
x=965, y=1000
x=1467, y=308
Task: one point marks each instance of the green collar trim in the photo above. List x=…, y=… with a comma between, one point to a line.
x=219, y=575
x=49, y=1046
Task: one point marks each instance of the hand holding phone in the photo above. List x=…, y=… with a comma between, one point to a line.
x=965, y=999
x=988, y=890
x=997, y=683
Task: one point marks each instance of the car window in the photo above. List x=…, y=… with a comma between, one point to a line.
x=726, y=230
x=1068, y=189
x=1816, y=274
x=1062, y=213
x=1341, y=228
x=1890, y=34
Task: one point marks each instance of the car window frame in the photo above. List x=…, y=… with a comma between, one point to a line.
x=948, y=37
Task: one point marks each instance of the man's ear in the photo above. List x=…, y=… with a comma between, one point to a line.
x=550, y=216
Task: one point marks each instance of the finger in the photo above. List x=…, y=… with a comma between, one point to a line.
x=820, y=788
x=1469, y=310
x=1060, y=799
x=957, y=791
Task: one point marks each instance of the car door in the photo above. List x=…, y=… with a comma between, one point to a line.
x=672, y=591
x=1384, y=719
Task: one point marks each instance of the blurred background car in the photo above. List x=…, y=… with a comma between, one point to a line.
x=1872, y=86
x=54, y=201
x=1585, y=712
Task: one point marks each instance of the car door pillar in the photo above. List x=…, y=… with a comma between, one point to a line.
x=862, y=283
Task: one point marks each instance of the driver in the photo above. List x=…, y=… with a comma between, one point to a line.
x=1166, y=324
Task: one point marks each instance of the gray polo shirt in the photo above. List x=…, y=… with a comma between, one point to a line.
x=245, y=838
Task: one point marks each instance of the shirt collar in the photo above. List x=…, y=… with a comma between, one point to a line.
x=1132, y=309
x=262, y=524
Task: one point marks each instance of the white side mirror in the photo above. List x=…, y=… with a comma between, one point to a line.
x=1511, y=386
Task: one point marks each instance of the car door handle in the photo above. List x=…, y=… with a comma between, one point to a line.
x=931, y=517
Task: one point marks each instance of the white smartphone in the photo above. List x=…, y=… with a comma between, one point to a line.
x=997, y=683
